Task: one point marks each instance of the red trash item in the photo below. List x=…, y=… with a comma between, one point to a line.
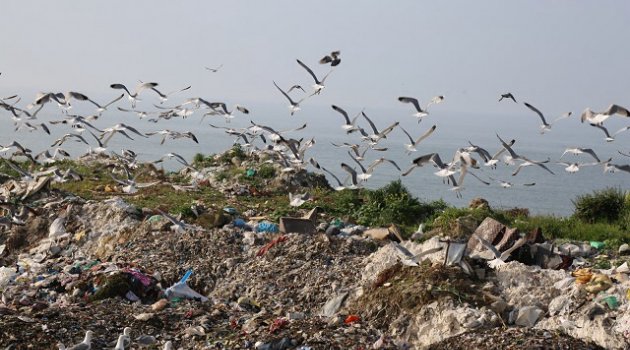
x=352, y=319
x=268, y=246
x=277, y=324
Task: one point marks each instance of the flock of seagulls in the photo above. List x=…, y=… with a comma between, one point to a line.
x=285, y=149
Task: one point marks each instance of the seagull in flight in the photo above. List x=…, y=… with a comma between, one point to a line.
x=340, y=184
x=580, y=150
x=526, y=161
x=508, y=95
x=164, y=97
x=293, y=105
x=499, y=258
x=411, y=147
x=319, y=84
x=545, y=126
x=119, y=128
x=133, y=97
x=376, y=135
x=420, y=113
x=214, y=70
x=349, y=126
x=598, y=118
x=610, y=138
x=333, y=59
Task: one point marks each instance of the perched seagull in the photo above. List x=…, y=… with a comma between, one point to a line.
x=133, y=97
x=507, y=95
x=293, y=106
x=545, y=126
x=120, y=344
x=599, y=117
x=411, y=147
x=333, y=58
x=319, y=85
x=349, y=126
x=86, y=344
x=580, y=150
x=214, y=70
x=499, y=258
x=407, y=258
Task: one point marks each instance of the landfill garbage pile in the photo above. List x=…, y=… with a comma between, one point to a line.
x=242, y=282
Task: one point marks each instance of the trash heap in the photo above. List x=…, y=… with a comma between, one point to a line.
x=241, y=281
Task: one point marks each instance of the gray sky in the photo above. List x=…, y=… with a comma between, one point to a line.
x=558, y=55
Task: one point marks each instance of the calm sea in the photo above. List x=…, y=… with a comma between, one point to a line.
x=551, y=195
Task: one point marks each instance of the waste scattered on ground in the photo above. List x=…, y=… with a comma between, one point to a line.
x=244, y=280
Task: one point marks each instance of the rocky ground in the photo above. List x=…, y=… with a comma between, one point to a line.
x=333, y=289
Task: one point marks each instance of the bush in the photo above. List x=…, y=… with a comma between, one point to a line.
x=266, y=171
x=394, y=204
x=601, y=206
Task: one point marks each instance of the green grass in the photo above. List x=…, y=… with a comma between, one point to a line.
x=601, y=216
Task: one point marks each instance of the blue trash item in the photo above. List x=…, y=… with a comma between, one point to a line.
x=186, y=276
x=267, y=226
x=239, y=223
x=230, y=210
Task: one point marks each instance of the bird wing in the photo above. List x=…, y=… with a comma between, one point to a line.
x=309, y=71
x=371, y=123
x=345, y=115
x=120, y=86
x=357, y=161
x=425, y=135
x=616, y=109
x=353, y=174
x=411, y=100
x=284, y=93
x=488, y=246
x=537, y=112
x=508, y=148
x=409, y=136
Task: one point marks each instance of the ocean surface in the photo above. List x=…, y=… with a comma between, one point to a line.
x=552, y=194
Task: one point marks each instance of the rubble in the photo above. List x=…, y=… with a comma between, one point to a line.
x=251, y=282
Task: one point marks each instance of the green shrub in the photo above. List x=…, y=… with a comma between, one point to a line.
x=601, y=206
x=266, y=171
x=394, y=204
